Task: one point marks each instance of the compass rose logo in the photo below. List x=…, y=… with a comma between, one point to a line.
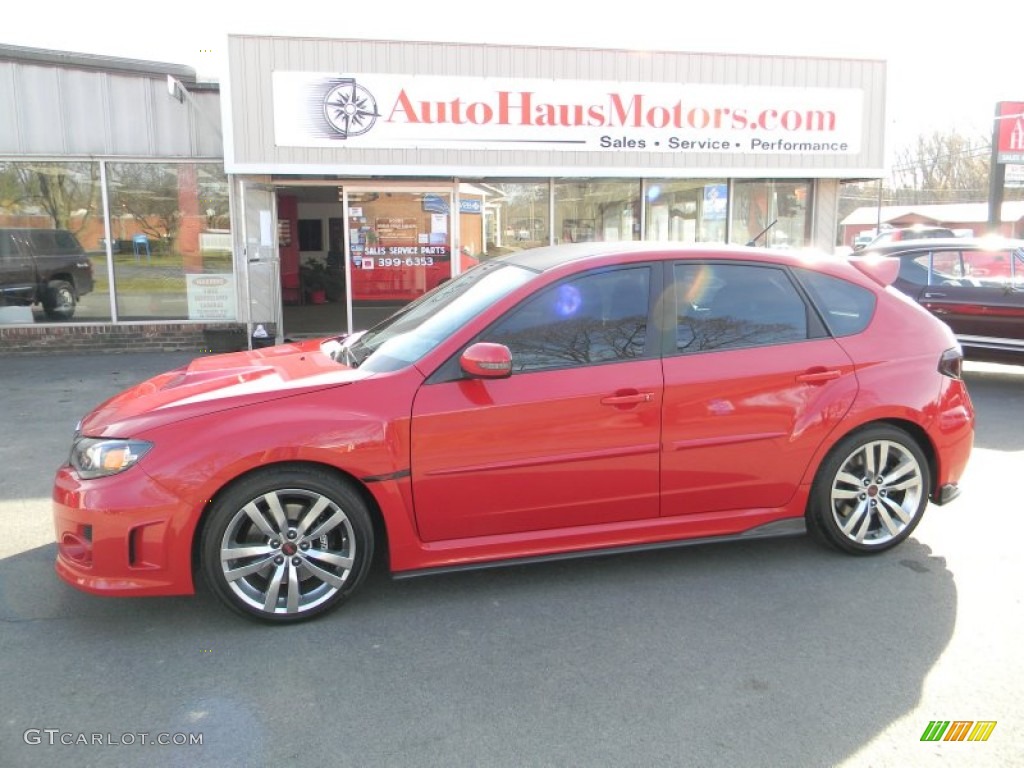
x=349, y=108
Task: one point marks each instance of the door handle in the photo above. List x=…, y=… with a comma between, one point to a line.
x=627, y=398
x=931, y=295
x=818, y=375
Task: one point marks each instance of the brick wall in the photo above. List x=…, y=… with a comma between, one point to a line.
x=123, y=337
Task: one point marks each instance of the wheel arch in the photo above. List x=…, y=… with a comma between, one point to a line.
x=924, y=442
x=64, y=277
x=376, y=514
x=915, y=430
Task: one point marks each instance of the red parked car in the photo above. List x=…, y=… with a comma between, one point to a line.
x=579, y=399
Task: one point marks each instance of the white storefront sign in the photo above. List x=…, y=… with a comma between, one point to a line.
x=1015, y=175
x=211, y=296
x=316, y=109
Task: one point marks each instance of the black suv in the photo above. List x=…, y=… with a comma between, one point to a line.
x=43, y=266
x=976, y=285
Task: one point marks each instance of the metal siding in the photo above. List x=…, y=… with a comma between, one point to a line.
x=253, y=59
x=83, y=105
x=64, y=111
x=208, y=142
x=10, y=137
x=39, y=112
x=131, y=116
x=172, y=129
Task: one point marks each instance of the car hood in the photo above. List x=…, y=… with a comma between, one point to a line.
x=217, y=383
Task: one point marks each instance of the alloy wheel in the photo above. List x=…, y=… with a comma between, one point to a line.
x=877, y=493
x=287, y=551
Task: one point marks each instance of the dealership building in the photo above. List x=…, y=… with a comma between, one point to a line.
x=327, y=182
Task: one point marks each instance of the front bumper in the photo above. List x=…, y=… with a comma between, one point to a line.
x=122, y=535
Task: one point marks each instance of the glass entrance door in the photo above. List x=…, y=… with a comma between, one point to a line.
x=398, y=246
x=257, y=234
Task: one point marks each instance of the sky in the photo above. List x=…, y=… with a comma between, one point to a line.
x=947, y=64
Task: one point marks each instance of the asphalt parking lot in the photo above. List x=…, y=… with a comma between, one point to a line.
x=762, y=653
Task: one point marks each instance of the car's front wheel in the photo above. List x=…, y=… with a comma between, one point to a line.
x=870, y=492
x=287, y=544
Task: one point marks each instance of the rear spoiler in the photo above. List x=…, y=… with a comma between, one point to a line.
x=882, y=269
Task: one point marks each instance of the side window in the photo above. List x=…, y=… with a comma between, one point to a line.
x=730, y=306
x=914, y=269
x=946, y=265
x=7, y=247
x=44, y=241
x=991, y=268
x=66, y=243
x=596, y=318
x=847, y=308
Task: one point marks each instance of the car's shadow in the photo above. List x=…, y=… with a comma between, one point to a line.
x=756, y=653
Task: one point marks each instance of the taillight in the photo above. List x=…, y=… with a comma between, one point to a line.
x=952, y=363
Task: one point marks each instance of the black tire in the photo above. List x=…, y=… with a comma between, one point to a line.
x=59, y=302
x=308, y=539
x=870, y=491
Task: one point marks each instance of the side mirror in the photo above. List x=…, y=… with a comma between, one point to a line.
x=487, y=361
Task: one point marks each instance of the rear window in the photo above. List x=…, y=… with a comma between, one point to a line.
x=912, y=234
x=847, y=308
x=54, y=242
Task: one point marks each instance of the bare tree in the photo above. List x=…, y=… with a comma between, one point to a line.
x=67, y=192
x=148, y=192
x=941, y=168
x=12, y=192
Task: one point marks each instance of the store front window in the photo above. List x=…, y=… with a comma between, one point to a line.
x=171, y=242
x=518, y=217
x=354, y=252
x=399, y=248
x=688, y=211
x=63, y=205
x=589, y=210
x=772, y=213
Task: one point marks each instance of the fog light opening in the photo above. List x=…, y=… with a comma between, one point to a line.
x=76, y=549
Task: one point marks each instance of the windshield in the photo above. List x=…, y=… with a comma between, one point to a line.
x=417, y=328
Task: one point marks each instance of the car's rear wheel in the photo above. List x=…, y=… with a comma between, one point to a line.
x=287, y=544
x=871, y=491
x=59, y=301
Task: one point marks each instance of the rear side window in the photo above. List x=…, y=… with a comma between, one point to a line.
x=965, y=268
x=847, y=308
x=52, y=242
x=1001, y=268
x=732, y=306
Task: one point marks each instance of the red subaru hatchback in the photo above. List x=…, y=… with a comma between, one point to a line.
x=563, y=401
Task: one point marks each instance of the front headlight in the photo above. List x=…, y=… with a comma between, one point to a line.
x=98, y=457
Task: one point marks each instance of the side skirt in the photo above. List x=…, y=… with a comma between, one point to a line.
x=794, y=526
